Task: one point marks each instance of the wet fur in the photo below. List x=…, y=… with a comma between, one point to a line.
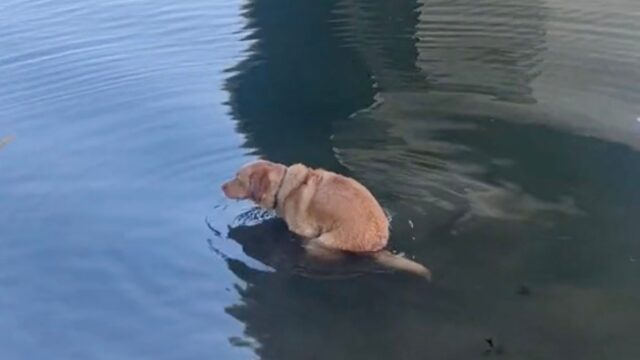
x=333, y=213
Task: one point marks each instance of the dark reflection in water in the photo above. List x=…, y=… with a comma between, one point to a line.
x=297, y=79
x=502, y=137
x=520, y=201
x=270, y=242
x=492, y=47
x=460, y=45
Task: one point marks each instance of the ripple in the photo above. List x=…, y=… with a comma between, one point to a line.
x=426, y=163
x=119, y=115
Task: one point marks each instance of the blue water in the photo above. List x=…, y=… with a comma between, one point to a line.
x=502, y=137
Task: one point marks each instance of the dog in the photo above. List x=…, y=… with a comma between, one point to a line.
x=334, y=214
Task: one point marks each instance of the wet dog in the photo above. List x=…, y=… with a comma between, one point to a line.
x=334, y=214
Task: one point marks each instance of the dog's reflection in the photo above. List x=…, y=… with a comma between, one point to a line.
x=272, y=244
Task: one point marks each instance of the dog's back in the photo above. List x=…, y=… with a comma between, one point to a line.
x=346, y=207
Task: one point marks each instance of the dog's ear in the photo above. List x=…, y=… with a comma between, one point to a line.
x=259, y=183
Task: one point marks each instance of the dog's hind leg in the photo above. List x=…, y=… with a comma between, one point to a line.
x=317, y=250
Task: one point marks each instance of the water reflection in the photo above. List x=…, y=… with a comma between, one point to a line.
x=445, y=109
x=297, y=79
x=491, y=47
x=438, y=165
x=323, y=315
x=491, y=57
x=473, y=47
x=383, y=34
x=269, y=242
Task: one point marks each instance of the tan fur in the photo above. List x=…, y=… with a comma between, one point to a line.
x=328, y=209
x=397, y=262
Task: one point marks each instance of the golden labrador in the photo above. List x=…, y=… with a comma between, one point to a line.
x=333, y=213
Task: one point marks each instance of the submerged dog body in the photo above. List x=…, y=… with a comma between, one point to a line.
x=330, y=211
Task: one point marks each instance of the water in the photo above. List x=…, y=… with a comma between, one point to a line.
x=501, y=135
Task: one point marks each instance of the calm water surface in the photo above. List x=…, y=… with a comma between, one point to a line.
x=502, y=136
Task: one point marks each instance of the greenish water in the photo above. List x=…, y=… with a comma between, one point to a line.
x=501, y=136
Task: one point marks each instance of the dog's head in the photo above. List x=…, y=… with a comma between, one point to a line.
x=257, y=181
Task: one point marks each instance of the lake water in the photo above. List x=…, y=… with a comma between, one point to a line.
x=502, y=137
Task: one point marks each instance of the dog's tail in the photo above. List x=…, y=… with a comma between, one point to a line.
x=398, y=262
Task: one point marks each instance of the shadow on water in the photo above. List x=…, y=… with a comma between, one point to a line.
x=315, y=311
x=269, y=242
x=440, y=107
